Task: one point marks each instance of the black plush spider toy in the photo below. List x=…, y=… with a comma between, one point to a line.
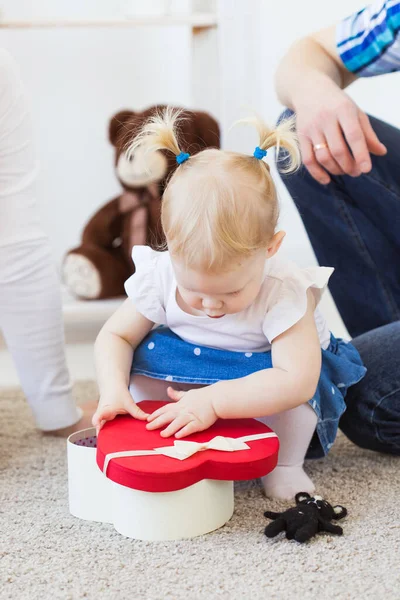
x=311, y=515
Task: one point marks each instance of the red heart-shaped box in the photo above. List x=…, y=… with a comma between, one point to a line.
x=158, y=473
x=157, y=497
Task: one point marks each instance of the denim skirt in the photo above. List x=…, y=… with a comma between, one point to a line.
x=164, y=355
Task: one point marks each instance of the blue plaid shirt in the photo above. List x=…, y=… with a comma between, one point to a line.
x=368, y=42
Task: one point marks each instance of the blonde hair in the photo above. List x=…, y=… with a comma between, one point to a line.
x=219, y=206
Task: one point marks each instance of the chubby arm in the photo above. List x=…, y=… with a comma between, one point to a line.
x=114, y=347
x=296, y=359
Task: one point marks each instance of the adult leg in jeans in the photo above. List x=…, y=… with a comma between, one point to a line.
x=372, y=418
x=30, y=306
x=354, y=225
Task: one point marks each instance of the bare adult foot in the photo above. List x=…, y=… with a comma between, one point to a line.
x=88, y=410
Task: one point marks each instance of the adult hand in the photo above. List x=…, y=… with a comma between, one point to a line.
x=335, y=135
x=189, y=412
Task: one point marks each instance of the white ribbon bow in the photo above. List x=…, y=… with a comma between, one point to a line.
x=182, y=450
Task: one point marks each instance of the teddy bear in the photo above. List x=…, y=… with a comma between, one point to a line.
x=102, y=262
x=311, y=515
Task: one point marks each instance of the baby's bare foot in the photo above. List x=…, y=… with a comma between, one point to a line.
x=84, y=422
x=283, y=483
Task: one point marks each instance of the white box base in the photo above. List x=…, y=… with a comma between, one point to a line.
x=192, y=511
x=153, y=516
x=88, y=490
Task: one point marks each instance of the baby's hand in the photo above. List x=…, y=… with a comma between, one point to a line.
x=118, y=402
x=190, y=412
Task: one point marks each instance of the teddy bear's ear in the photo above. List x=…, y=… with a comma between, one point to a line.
x=206, y=129
x=340, y=512
x=302, y=496
x=117, y=123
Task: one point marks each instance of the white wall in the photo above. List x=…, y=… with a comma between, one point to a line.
x=77, y=78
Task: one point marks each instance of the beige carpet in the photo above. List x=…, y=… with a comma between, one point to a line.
x=47, y=554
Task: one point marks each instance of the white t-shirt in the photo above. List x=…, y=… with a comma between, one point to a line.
x=281, y=302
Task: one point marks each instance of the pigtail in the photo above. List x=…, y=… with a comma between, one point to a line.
x=285, y=136
x=282, y=136
x=159, y=132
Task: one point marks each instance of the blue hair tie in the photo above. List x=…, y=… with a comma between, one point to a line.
x=182, y=157
x=259, y=153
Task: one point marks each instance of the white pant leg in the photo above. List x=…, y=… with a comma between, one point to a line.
x=295, y=429
x=19, y=215
x=30, y=307
x=31, y=321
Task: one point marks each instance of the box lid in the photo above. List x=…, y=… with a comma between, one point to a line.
x=159, y=473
